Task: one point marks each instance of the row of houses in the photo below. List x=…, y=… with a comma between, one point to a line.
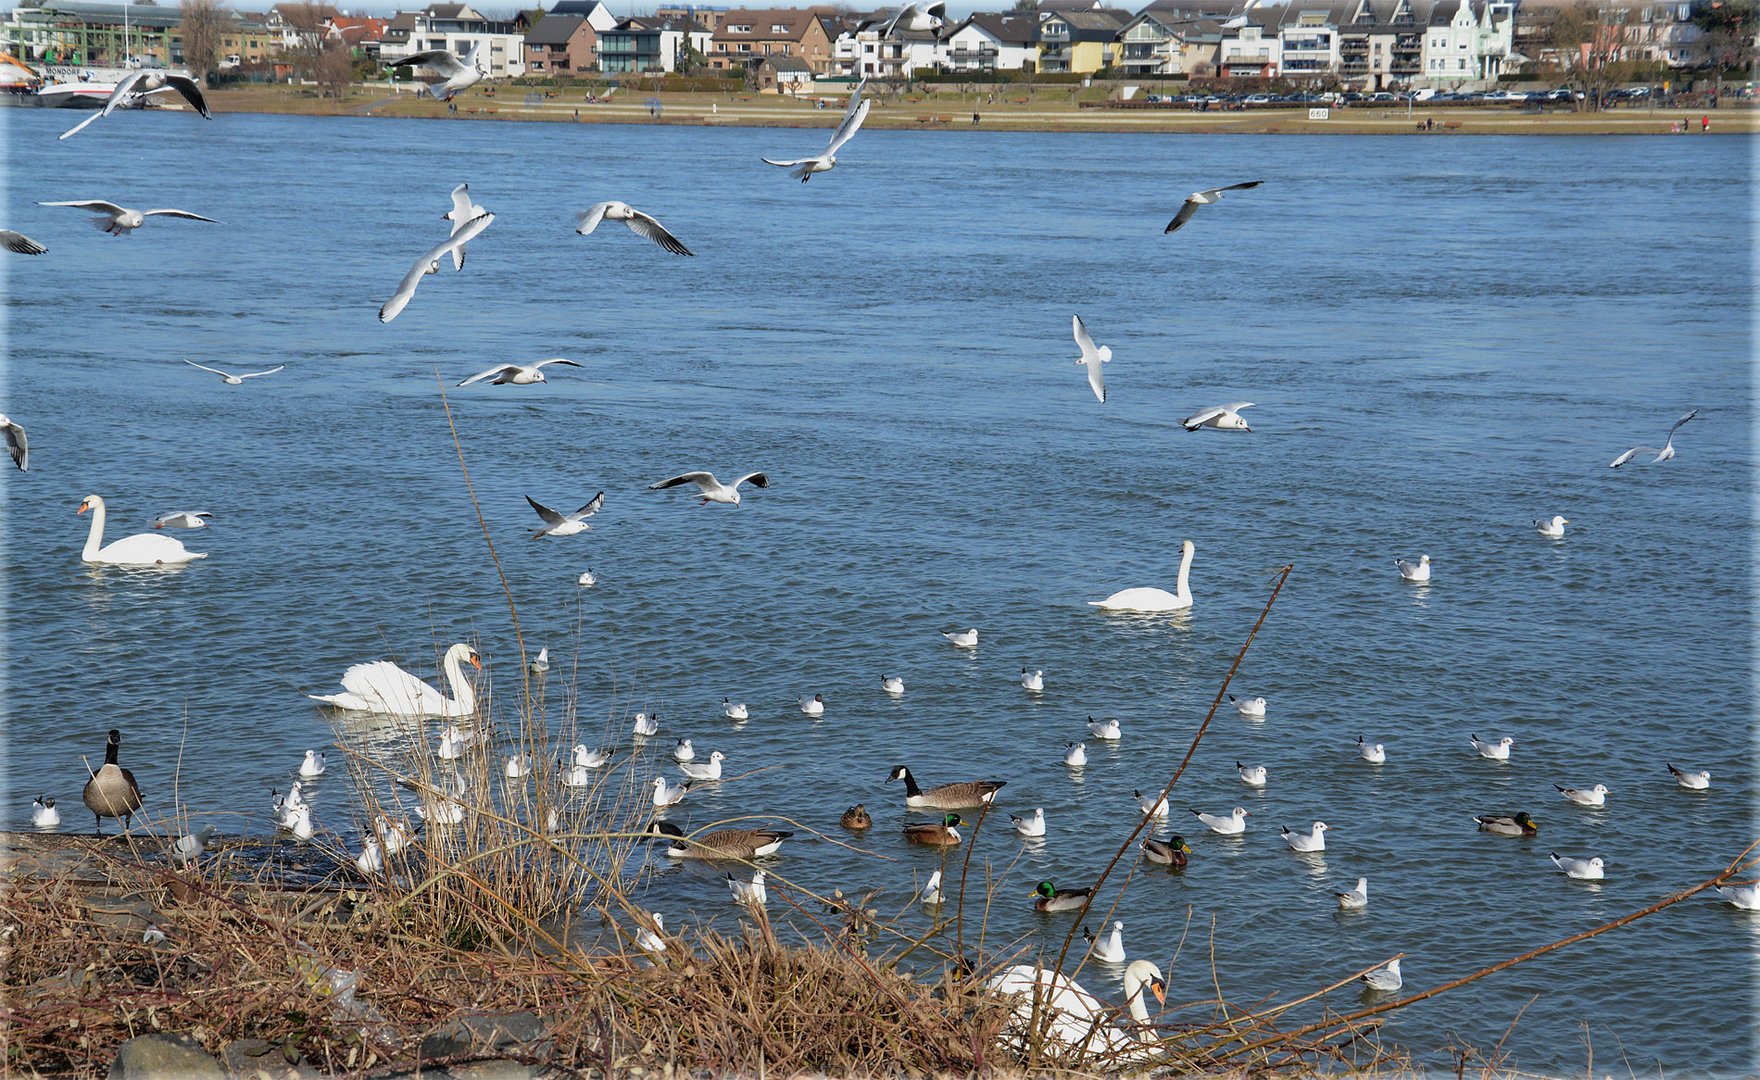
x=1373, y=44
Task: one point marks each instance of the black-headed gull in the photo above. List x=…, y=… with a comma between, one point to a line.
x=1203, y=198
x=749, y=892
x=183, y=519
x=650, y=940
x=892, y=684
x=313, y=766
x=962, y=639
x=1031, y=825
x=517, y=374
x=1373, y=753
x=813, y=706
x=1251, y=775
x=20, y=244
x=16, y=443
x=853, y=115
x=667, y=793
x=1232, y=825
x=1414, y=571
x=1664, y=454
x=1105, y=729
x=236, y=380
x=643, y=225
x=1075, y=754
x=1595, y=796
x=120, y=220
x=1692, y=781
x=646, y=724
x=931, y=894
x=43, y=812
x=456, y=74
x=1219, y=418
x=704, y=770
x=1154, y=806
x=710, y=489
x=1355, y=898
x=463, y=212
x=188, y=847
x=1554, y=529
x=1746, y=897
x=136, y=85
x=371, y=860
x=1310, y=841
x=1494, y=751
x=557, y=523
x=1033, y=680
x=1092, y=357
x=1385, y=980
x=683, y=750
x=733, y=710
x=915, y=16
x=1591, y=869
x=590, y=759
x=1253, y=706
x=540, y=663
x=1108, y=949
x=430, y=264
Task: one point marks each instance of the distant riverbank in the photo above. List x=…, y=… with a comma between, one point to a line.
x=1043, y=109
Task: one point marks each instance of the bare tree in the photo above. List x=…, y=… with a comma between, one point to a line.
x=1586, y=45
x=333, y=66
x=204, y=24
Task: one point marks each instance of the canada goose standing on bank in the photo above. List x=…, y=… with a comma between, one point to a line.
x=112, y=792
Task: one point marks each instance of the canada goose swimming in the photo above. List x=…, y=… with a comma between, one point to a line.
x=1374, y=754
x=1385, y=980
x=732, y=711
x=1033, y=681
x=1494, y=751
x=704, y=770
x=1355, y=898
x=313, y=766
x=1582, y=869
x=1595, y=796
x=1251, y=775
x=1031, y=825
x=1414, y=571
x=749, y=892
x=746, y=844
x=1254, y=707
x=892, y=684
x=1104, y=729
x=1108, y=949
x=684, y=751
x=1311, y=841
x=945, y=796
x=1048, y=897
x=1692, y=781
x=944, y=833
x=1519, y=824
x=112, y=792
x=1170, y=852
x=856, y=817
x=43, y=813
x=1232, y=825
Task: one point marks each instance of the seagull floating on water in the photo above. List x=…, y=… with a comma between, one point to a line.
x=853, y=115
x=684, y=751
x=1494, y=751
x=641, y=224
x=540, y=663
x=1203, y=198
x=557, y=523
x=1110, y=948
x=1092, y=358
x=1414, y=571
x=1105, y=729
x=587, y=580
x=1251, y=775
x=749, y=892
x=456, y=74
x=1358, y=897
x=1310, y=841
x=931, y=894
x=1595, y=796
x=516, y=766
x=667, y=793
x=1554, y=529
x=182, y=519
x=1232, y=825
x=120, y=220
x=1592, y=869
x=430, y=264
x=650, y=940
x=43, y=812
x=1219, y=418
x=19, y=243
x=1664, y=454
x=647, y=723
x=1692, y=781
x=1254, y=707
x=962, y=639
x=704, y=770
x=313, y=766
x=733, y=711
x=1153, y=806
x=1031, y=825
x=1746, y=897
x=892, y=684
x=1374, y=753
x=1385, y=980
x=517, y=374
x=1075, y=754
x=711, y=489
x=1032, y=680
x=814, y=706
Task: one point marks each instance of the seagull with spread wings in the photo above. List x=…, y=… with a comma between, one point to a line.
x=1091, y=357
x=430, y=264
x=236, y=380
x=1204, y=198
x=136, y=85
x=1220, y=417
x=456, y=75
x=120, y=220
x=516, y=374
x=641, y=224
x=915, y=16
x=557, y=523
x=1663, y=454
x=463, y=212
x=16, y=444
x=711, y=489
x=804, y=168
x=20, y=243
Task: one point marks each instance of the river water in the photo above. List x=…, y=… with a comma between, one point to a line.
x=1445, y=337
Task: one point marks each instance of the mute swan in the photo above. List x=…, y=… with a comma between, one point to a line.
x=383, y=687
x=1146, y=599
x=1071, y=1015
x=141, y=549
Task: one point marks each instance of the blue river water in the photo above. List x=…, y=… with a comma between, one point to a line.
x=1445, y=339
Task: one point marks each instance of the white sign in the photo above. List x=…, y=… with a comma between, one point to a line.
x=1324, y=112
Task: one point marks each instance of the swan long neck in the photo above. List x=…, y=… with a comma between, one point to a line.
x=1133, y=991
x=1184, y=591
x=462, y=691
x=95, y=536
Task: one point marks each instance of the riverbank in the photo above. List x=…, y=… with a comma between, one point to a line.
x=1041, y=109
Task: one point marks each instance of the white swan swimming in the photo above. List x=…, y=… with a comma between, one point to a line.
x=383, y=687
x=1145, y=599
x=1073, y=1017
x=141, y=549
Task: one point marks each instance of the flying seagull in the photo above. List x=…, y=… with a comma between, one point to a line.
x=463, y=212
x=117, y=220
x=556, y=523
x=182, y=519
x=914, y=16
x=137, y=85
x=1092, y=358
x=1203, y=198
x=20, y=243
x=1221, y=417
x=456, y=75
x=16, y=444
x=430, y=264
x=516, y=374
x=639, y=223
x=236, y=380
x=1663, y=454
x=853, y=115
x=711, y=489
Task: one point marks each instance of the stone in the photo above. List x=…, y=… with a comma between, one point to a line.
x=254, y=1059
x=164, y=1057
x=486, y=1034
x=492, y=1069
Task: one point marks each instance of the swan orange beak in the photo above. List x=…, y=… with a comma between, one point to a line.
x=83, y=507
x=1160, y=990
x=476, y=663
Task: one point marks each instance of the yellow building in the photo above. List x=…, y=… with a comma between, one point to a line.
x=1080, y=42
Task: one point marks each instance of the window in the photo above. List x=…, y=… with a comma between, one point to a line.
x=745, y=46
x=740, y=29
x=779, y=28
x=537, y=65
